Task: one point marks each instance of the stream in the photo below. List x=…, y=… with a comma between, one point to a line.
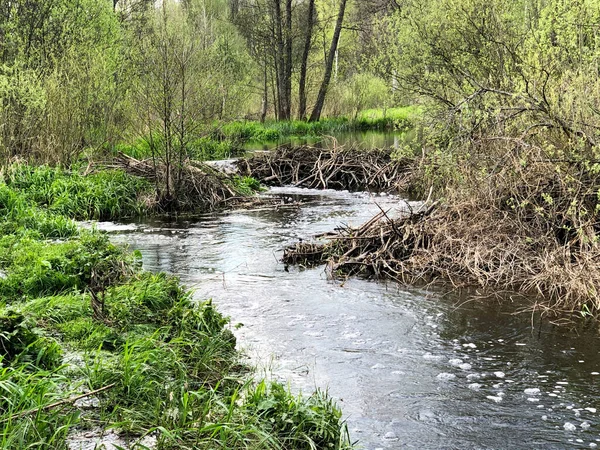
x=411, y=368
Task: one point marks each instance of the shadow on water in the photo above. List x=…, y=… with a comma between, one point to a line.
x=412, y=368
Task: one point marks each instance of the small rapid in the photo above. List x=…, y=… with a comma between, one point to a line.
x=411, y=368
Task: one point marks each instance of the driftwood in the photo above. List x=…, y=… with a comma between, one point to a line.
x=336, y=168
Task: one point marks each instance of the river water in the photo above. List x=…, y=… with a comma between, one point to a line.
x=411, y=368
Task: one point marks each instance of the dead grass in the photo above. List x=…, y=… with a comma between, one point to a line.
x=531, y=228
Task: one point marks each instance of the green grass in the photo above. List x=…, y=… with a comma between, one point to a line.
x=226, y=140
x=168, y=362
x=103, y=195
x=200, y=148
x=393, y=119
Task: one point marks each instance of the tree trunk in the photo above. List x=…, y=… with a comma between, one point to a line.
x=280, y=65
x=288, y=60
x=316, y=113
x=304, y=62
x=265, y=99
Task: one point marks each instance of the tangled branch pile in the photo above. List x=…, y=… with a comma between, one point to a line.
x=201, y=187
x=336, y=168
x=531, y=229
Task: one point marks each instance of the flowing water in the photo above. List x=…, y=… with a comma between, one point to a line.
x=411, y=368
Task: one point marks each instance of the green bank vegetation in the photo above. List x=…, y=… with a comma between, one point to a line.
x=79, y=317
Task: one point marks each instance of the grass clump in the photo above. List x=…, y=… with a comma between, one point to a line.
x=105, y=195
x=19, y=342
x=302, y=423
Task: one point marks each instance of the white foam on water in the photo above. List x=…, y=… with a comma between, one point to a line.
x=465, y=366
x=469, y=345
x=474, y=386
x=496, y=399
x=568, y=426
x=585, y=425
x=378, y=366
x=499, y=374
x=532, y=391
x=455, y=362
x=595, y=373
x=544, y=417
x=533, y=399
x=390, y=436
x=592, y=410
x=431, y=356
x=444, y=376
x=473, y=376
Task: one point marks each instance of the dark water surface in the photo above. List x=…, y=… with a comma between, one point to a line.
x=411, y=368
x=367, y=140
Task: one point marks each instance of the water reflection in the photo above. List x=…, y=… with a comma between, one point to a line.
x=366, y=140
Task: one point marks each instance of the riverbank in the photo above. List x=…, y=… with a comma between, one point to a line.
x=94, y=345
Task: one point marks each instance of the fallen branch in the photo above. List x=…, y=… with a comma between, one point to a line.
x=67, y=401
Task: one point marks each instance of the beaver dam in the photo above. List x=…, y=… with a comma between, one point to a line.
x=335, y=168
x=543, y=247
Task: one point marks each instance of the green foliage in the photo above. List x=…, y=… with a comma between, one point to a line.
x=21, y=344
x=247, y=185
x=207, y=149
x=303, y=424
x=36, y=268
x=103, y=195
x=57, y=78
x=394, y=119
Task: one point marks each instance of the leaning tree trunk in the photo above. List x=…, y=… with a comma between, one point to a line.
x=316, y=113
x=304, y=63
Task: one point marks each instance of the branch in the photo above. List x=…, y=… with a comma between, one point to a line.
x=56, y=404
